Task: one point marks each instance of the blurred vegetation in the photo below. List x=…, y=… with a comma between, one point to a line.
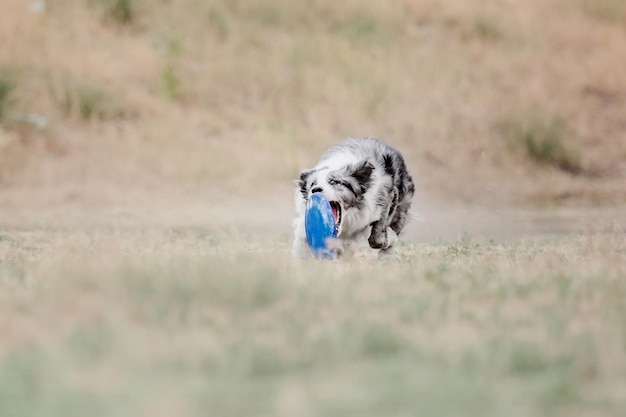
x=119, y=11
x=114, y=323
x=284, y=80
x=7, y=85
x=613, y=11
x=545, y=141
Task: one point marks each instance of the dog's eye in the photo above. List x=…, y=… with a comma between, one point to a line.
x=333, y=182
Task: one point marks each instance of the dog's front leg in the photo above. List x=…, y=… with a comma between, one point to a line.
x=381, y=236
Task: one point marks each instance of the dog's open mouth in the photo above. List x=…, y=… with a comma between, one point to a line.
x=336, y=207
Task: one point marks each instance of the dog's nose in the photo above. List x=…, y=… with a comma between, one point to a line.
x=316, y=190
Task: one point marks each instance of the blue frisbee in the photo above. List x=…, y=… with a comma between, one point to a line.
x=320, y=226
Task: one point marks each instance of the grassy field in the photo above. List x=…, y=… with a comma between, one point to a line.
x=186, y=323
x=147, y=152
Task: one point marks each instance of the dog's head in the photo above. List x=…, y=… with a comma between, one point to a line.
x=344, y=187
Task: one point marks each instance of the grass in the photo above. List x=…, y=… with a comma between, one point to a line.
x=218, y=21
x=103, y=316
x=486, y=29
x=90, y=101
x=545, y=141
x=613, y=11
x=171, y=81
x=83, y=100
x=107, y=323
x=428, y=78
x=121, y=12
x=7, y=85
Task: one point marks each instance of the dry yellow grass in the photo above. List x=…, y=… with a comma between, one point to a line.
x=214, y=95
x=183, y=323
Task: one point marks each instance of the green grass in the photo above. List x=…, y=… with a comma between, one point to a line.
x=171, y=81
x=545, y=141
x=129, y=324
x=218, y=20
x=90, y=101
x=605, y=10
x=486, y=29
x=122, y=12
x=7, y=85
x=83, y=100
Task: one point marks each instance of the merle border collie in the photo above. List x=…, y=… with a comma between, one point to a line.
x=369, y=189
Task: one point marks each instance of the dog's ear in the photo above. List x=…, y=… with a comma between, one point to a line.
x=304, y=175
x=362, y=173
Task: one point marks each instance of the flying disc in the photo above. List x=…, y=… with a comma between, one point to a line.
x=320, y=226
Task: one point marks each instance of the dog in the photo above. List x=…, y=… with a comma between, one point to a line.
x=369, y=189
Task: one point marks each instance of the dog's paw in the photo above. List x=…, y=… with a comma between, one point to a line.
x=378, y=241
x=382, y=240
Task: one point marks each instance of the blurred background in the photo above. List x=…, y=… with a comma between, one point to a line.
x=204, y=112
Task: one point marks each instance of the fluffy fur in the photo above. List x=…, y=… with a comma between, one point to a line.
x=370, y=191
